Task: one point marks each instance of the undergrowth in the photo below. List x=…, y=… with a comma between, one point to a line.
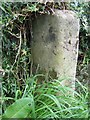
x=50, y=100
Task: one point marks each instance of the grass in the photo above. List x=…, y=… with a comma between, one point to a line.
x=46, y=102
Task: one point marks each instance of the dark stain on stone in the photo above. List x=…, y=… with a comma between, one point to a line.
x=66, y=48
x=69, y=42
x=54, y=52
x=75, y=52
x=70, y=34
x=53, y=74
x=50, y=29
x=76, y=44
x=52, y=35
x=76, y=36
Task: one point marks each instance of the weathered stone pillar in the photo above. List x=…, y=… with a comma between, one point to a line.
x=55, y=44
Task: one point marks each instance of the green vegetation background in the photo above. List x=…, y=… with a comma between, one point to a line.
x=22, y=97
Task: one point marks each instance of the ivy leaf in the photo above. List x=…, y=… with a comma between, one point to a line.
x=2, y=8
x=33, y=8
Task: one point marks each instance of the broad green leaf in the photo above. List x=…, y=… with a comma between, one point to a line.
x=19, y=109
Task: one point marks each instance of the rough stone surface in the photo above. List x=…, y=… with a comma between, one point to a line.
x=55, y=44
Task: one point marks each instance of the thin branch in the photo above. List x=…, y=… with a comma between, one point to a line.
x=18, y=53
x=13, y=34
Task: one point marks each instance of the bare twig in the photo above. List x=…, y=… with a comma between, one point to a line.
x=18, y=51
x=13, y=34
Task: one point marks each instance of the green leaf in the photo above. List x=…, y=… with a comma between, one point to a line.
x=54, y=98
x=19, y=109
x=2, y=8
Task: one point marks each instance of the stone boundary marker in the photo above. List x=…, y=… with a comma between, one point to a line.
x=55, y=45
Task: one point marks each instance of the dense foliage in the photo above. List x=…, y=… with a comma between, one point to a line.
x=20, y=85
